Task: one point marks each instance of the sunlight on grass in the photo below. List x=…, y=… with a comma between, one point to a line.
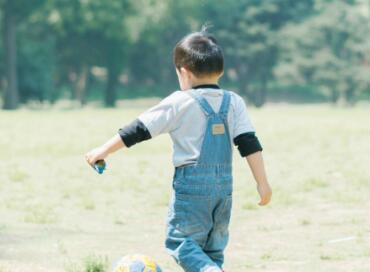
x=39, y=214
x=316, y=158
x=17, y=175
x=91, y=263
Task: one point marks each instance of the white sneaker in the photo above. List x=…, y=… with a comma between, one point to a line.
x=211, y=269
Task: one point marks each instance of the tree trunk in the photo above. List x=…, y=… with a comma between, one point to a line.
x=80, y=85
x=110, y=92
x=260, y=94
x=260, y=97
x=11, y=97
x=334, y=96
x=88, y=85
x=243, y=82
x=350, y=96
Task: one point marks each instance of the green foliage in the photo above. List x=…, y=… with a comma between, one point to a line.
x=22, y=8
x=2, y=68
x=329, y=50
x=250, y=39
x=36, y=65
x=313, y=44
x=159, y=34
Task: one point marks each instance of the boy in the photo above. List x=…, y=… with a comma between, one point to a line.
x=200, y=208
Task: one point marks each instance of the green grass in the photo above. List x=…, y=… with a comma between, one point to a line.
x=91, y=263
x=56, y=212
x=95, y=264
x=17, y=175
x=39, y=214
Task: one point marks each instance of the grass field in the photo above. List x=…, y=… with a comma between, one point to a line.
x=57, y=214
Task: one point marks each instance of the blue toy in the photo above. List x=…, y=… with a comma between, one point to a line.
x=100, y=166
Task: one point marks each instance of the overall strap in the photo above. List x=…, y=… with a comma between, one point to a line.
x=202, y=102
x=224, y=108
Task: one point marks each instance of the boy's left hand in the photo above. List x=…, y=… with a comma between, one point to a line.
x=96, y=154
x=265, y=193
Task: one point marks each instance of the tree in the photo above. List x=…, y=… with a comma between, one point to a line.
x=91, y=33
x=13, y=12
x=329, y=50
x=248, y=30
x=10, y=50
x=161, y=25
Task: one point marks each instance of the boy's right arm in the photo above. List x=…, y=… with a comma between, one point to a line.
x=154, y=121
x=127, y=136
x=101, y=152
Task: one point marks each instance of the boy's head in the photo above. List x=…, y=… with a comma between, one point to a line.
x=198, y=59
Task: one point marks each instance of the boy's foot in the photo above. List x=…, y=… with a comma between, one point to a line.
x=213, y=269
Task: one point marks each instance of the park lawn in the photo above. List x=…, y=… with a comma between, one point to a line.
x=55, y=211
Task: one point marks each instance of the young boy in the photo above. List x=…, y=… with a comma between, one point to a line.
x=203, y=120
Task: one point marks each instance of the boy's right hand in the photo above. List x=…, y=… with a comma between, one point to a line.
x=96, y=154
x=265, y=193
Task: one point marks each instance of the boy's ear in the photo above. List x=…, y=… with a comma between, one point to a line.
x=187, y=73
x=177, y=71
x=183, y=71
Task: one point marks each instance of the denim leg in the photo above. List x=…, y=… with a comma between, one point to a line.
x=219, y=235
x=187, y=232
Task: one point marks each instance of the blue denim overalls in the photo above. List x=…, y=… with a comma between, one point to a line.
x=199, y=212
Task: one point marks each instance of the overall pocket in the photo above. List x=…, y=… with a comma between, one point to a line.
x=190, y=215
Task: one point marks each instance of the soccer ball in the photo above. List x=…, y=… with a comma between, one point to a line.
x=136, y=263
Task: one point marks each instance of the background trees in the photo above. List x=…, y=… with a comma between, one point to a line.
x=105, y=50
x=329, y=50
x=14, y=12
x=250, y=34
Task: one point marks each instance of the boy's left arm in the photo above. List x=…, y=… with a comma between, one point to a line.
x=250, y=148
x=256, y=164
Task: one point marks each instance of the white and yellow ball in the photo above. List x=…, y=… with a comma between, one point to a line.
x=137, y=263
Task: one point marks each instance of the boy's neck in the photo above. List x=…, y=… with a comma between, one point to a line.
x=205, y=81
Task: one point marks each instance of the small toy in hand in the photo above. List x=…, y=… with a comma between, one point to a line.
x=99, y=166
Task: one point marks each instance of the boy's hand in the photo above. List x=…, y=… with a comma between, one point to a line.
x=96, y=154
x=265, y=193
x=257, y=166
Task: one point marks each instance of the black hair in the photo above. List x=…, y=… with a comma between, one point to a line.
x=200, y=53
